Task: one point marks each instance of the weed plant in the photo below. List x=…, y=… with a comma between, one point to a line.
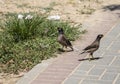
x=27, y=40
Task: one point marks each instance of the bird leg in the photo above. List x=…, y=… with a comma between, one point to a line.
x=65, y=48
x=89, y=58
x=91, y=54
x=71, y=48
x=62, y=47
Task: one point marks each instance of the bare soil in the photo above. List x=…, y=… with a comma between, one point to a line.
x=74, y=11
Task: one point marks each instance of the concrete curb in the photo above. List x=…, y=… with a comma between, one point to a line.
x=36, y=70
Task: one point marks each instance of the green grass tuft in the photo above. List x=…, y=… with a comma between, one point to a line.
x=26, y=42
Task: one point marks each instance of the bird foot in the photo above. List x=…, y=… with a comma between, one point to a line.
x=61, y=50
x=89, y=59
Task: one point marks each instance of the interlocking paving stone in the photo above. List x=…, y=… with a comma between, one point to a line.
x=87, y=62
x=115, y=31
x=106, y=60
x=111, y=69
x=106, y=43
x=105, y=69
x=99, y=52
x=81, y=72
x=85, y=76
x=96, y=72
x=115, y=46
x=46, y=82
x=109, y=76
x=86, y=81
x=116, y=62
x=111, y=53
x=34, y=72
x=117, y=39
x=72, y=80
x=118, y=80
x=85, y=67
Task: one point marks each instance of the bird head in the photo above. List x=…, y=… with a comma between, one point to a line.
x=60, y=30
x=100, y=36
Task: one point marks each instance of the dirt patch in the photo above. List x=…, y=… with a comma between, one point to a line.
x=74, y=11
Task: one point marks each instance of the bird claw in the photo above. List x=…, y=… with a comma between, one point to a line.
x=89, y=59
x=62, y=50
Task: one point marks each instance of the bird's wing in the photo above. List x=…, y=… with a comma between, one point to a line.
x=91, y=46
x=67, y=41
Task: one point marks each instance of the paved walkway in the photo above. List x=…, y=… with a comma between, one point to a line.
x=105, y=70
x=68, y=68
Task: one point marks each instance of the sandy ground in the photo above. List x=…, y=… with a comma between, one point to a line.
x=68, y=9
x=74, y=11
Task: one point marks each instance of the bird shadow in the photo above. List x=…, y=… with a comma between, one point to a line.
x=95, y=58
x=112, y=7
x=61, y=50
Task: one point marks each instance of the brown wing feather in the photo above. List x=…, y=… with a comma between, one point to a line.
x=93, y=45
x=67, y=41
x=64, y=41
x=90, y=46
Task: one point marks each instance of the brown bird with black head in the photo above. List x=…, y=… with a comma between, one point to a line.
x=63, y=40
x=93, y=47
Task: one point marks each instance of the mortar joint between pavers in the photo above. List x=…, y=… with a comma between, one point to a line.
x=112, y=61
x=110, y=45
x=71, y=73
x=102, y=54
x=90, y=69
x=112, y=27
x=117, y=36
x=81, y=81
x=102, y=74
x=114, y=82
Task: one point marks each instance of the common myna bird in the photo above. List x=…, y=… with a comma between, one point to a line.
x=63, y=40
x=93, y=47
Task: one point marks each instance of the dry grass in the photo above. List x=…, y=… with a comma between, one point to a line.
x=69, y=10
